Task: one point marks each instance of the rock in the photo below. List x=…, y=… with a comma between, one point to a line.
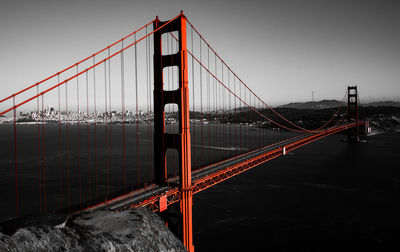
x=130, y=230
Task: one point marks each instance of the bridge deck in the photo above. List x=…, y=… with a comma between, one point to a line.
x=213, y=174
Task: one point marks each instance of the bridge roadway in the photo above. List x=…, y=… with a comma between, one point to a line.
x=158, y=198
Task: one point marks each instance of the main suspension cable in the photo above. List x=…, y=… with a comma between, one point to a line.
x=268, y=106
x=243, y=101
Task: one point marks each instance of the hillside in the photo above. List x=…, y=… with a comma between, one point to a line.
x=314, y=104
x=334, y=103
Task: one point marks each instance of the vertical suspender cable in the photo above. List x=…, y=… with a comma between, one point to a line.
x=59, y=145
x=262, y=129
x=137, y=117
x=221, y=98
x=241, y=116
x=222, y=132
x=228, y=112
x=43, y=159
x=79, y=137
x=234, y=114
x=67, y=145
x=149, y=144
x=106, y=131
x=256, y=122
x=208, y=96
x=88, y=135
x=261, y=126
x=246, y=117
x=193, y=107
x=223, y=101
x=252, y=114
x=123, y=117
x=201, y=105
x=39, y=150
x=16, y=161
x=110, y=122
x=95, y=129
x=215, y=103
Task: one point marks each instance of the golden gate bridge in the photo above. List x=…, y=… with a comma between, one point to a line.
x=147, y=121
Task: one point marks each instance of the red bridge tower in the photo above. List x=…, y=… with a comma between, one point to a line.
x=181, y=140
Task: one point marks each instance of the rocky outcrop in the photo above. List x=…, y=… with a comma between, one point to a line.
x=382, y=123
x=131, y=230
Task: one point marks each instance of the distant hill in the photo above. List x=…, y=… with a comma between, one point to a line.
x=383, y=104
x=324, y=104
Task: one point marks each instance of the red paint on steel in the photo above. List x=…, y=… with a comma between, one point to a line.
x=180, y=141
x=163, y=203
x=87, y=69
x=79, y=62
x=268, y=106
x=208, y=181
x=16, y=162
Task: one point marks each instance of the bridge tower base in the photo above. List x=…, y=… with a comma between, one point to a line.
x=181, y=140
x=353, y=134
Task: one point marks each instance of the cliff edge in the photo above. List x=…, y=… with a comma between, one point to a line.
x=130, y=230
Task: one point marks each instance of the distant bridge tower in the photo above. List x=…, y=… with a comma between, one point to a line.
x=352, y=113
x=181, y=140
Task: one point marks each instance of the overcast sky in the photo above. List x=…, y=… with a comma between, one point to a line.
x=283, y=50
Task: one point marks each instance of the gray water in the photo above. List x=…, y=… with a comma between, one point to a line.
x=329, y=195
x=80, y=170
